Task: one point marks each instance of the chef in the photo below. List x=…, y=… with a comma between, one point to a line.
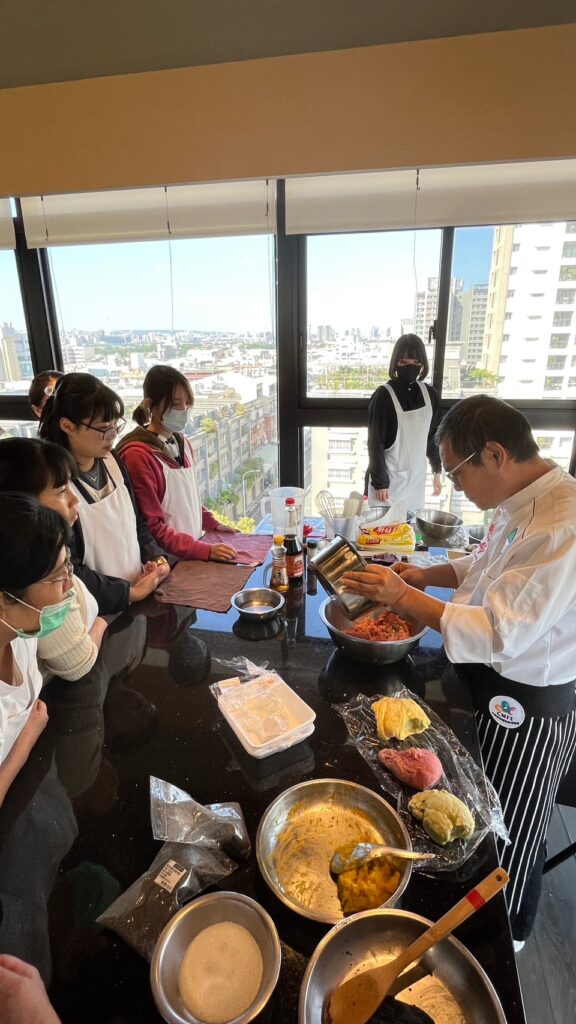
x=509, y=629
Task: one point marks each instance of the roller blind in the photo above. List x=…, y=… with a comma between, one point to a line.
x=516, y=193
x=131, y=215
x=7, y=239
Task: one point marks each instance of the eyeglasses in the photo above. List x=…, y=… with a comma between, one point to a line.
x=107, y=432
x=451, y=476
x=68, y=569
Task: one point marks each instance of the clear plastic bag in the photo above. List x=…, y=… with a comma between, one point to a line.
x=462, y=777
x=254, y=700
x=177, y=873
x=177, y=818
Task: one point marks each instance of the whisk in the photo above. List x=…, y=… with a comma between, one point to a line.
x=325, y=504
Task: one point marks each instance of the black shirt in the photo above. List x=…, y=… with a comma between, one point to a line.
x=383, y=426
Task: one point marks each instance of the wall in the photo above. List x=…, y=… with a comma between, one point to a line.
x=469, y=99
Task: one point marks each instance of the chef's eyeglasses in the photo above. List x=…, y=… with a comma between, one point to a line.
x=108, y=432
x=67, y=567
x=453, y=474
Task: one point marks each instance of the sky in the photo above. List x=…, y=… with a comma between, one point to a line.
x=357, y=280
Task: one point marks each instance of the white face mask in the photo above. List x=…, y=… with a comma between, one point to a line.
x=175, y=420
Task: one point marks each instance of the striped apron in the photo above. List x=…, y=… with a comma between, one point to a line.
x=527, y=738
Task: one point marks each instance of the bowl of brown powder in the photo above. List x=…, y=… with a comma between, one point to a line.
x=216, y=961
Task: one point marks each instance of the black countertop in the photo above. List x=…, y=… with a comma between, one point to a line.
x=75, y=827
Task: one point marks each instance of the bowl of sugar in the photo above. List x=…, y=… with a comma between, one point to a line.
x=217, y=960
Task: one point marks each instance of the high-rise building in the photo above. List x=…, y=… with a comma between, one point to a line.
x=530, y=340
x=14, y=354
x=425, y=308
x=473, y=304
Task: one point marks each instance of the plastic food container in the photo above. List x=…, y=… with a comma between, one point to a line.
x=267, y=722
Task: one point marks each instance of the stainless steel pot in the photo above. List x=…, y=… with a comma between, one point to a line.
x=330, y=564
x=376, y=652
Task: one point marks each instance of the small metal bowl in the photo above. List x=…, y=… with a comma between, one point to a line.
x=436, y=524
x=375, y=652
x=375, y=937
x=258, y=603
x=183, y=928
x=303, y=827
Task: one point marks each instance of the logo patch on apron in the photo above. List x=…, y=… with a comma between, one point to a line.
x=507, y=712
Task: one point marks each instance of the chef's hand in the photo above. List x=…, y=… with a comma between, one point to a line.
x=382, y=494
x=411, y=574
x=23, y=998
x=437, y=484
x=222, y=553
x=377, y=582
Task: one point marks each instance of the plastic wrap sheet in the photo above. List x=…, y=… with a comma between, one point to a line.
x=462, y=777
x=179, y=872
x=177, y=818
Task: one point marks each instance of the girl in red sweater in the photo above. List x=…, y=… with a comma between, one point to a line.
x=160, y=461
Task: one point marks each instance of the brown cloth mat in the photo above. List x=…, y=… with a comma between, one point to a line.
x=210, y=585
x=251, y=548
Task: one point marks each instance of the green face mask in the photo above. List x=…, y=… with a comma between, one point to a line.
x=51, y=617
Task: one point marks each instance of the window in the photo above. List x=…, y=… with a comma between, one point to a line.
x=571, y=227
x=572, y=382
x=565, y=296
x=510, y=293
x=562, y=319
x=557, y=445
x=15, y=362
x=217, y=328
x=363, y=292
x=552, y=383
x=568, y=272
x=18, y=428
x=556, y=362
x=569, y=250
x=516, y=247
x=513, y=270
x=559, y=340
x=539, y=271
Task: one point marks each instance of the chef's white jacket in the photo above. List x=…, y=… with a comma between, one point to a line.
x=515, y=606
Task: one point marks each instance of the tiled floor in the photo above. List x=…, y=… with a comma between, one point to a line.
x=547, y=964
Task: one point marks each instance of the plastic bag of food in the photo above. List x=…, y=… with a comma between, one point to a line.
x=177, y=874
x=462, y=777
x=177, y=818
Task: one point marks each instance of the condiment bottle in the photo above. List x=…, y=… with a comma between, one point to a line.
x=294, y=552
x=279, y=574
x=312, y=579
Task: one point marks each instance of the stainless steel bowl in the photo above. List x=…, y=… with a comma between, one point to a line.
x=331, y=562
x=436, y=524
x=376, y=652
x=374, y=938
x=258, y=603
x=185, y=925
x=376, y=512
x=301, y=830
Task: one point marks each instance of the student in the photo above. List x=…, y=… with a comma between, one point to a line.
x=403, y=415
x=23, y=998
x=160, y=461
x=44, y=470
x=509, y=629
x=112, y=549
x=35, y=599
x=41, y=388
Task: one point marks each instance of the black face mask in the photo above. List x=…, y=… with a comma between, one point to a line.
x=408, y=374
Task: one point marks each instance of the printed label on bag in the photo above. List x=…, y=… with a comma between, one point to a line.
x=170, y=875
x=507, y=712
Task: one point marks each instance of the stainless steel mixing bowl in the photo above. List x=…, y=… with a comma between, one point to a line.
x=376, y=652
x=436, y=525
x=186, y=925
x=374, y=938
x=304, y=826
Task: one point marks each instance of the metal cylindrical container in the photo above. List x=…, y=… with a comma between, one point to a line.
x=330, y=564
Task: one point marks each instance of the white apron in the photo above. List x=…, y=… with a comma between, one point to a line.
x=181, y=502
x=110, y=533
x=406, y=458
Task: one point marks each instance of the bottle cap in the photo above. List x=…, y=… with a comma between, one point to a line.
x=278, y=539
x=312, y=544
x=290, y=501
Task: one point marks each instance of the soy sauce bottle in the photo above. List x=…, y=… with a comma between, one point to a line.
x=294, y=551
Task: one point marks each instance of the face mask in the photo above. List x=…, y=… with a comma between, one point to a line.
x=175, y=420
x=51, y=617
x=408, y=374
